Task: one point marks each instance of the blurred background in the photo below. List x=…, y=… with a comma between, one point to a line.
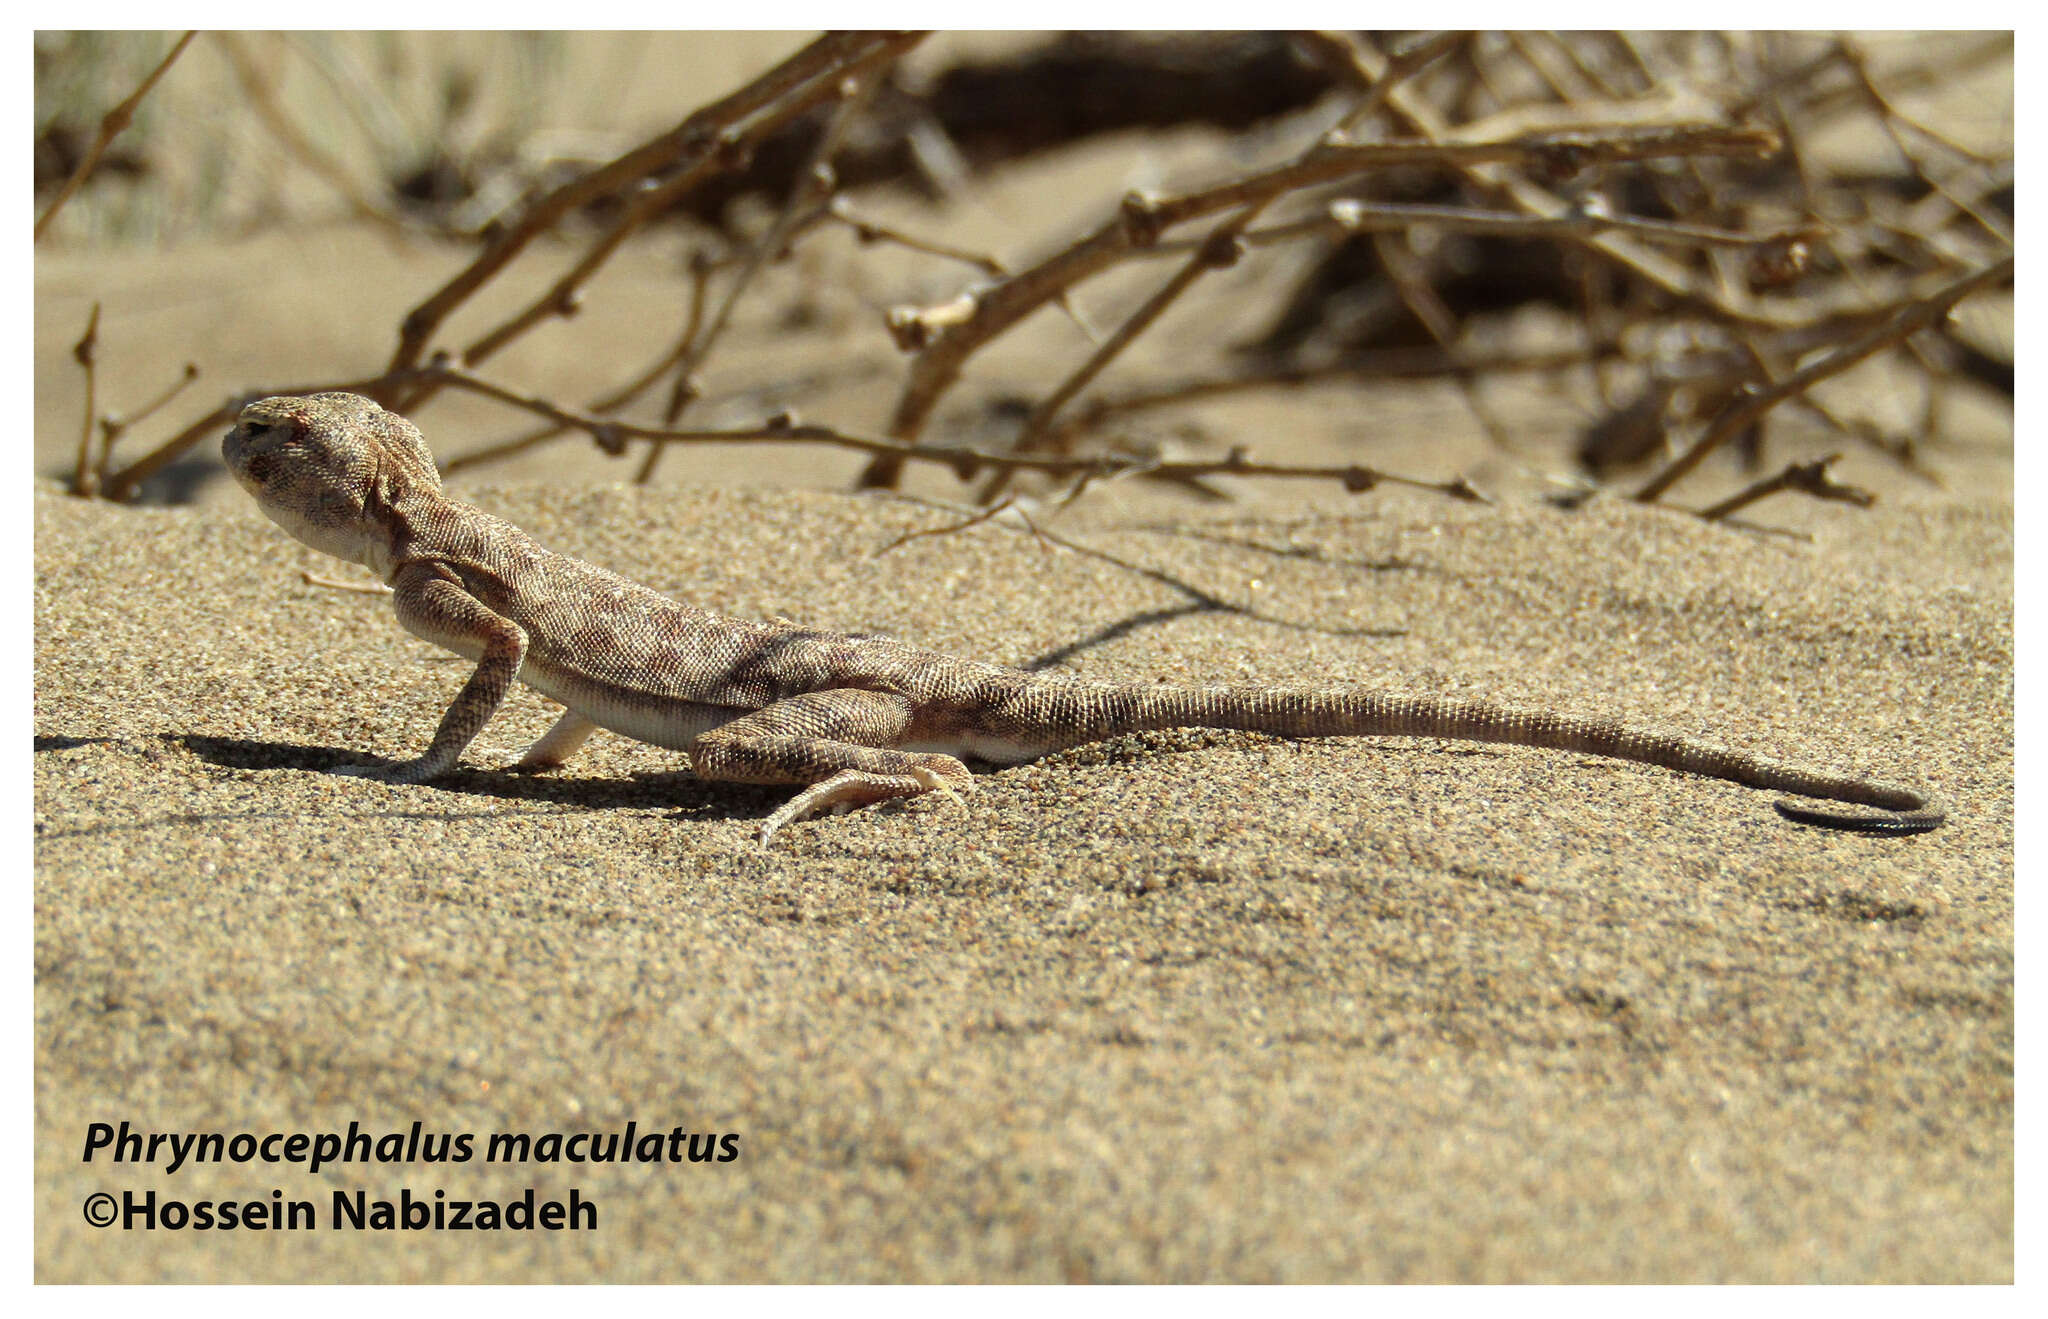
x=282, y=201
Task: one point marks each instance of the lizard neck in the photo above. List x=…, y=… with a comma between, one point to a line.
x=420, y=524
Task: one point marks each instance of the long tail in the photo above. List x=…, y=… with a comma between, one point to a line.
x=1094, y=712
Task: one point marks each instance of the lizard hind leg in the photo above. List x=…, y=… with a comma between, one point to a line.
x=840, y=743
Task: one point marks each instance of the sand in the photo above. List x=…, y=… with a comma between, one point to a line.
x=1181, y=1007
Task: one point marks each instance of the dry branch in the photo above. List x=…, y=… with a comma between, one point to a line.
x=1901, y=321
x=1141, y=220
x=967, y=521
x=85, y=474
x=1590, y=218
x=874, y=231
x=691, y=148
x=256, y=86
x=1811, y=478
x=1220, y=250
x=112, y=428
x=807, y=199
x=1510, y=164
x=963, y=461
x=111, y=125
x=716, y=137
x=700, y=269
x=1536, y=200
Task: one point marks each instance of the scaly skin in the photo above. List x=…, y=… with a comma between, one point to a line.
x=853, y=720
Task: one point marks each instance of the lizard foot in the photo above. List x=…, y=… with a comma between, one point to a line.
x=850, y=789
x=512, y=760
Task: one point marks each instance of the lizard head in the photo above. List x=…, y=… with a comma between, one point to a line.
x=332, y=469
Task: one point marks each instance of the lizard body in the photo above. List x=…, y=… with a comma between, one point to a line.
x=850, y=720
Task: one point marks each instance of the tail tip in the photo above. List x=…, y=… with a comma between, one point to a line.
x=1913, y=816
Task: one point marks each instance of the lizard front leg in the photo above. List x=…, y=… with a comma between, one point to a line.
x=432, y=604
x=839, y=741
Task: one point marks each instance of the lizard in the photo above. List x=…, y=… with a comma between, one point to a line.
x=849, y=720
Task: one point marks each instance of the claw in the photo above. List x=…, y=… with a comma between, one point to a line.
x=936, y=782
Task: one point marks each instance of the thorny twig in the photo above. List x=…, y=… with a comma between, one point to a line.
x=874, y=231
x=1653, y=266
x=989, y=512
x=688, y=146
x=965, y=462
x=700, y=269
x=1221, y=249
x=89, y=471
x=1888, y=116
x=112, y=428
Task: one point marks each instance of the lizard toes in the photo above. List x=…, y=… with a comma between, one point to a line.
x=768, y=828
x=791, y=811
x=515, y=761
x=845, y=791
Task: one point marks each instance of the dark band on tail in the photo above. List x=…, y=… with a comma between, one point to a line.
x=1890, y=826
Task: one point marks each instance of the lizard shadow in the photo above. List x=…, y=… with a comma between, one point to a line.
x=648, y=789
x=61, y=742
x=679, y=792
